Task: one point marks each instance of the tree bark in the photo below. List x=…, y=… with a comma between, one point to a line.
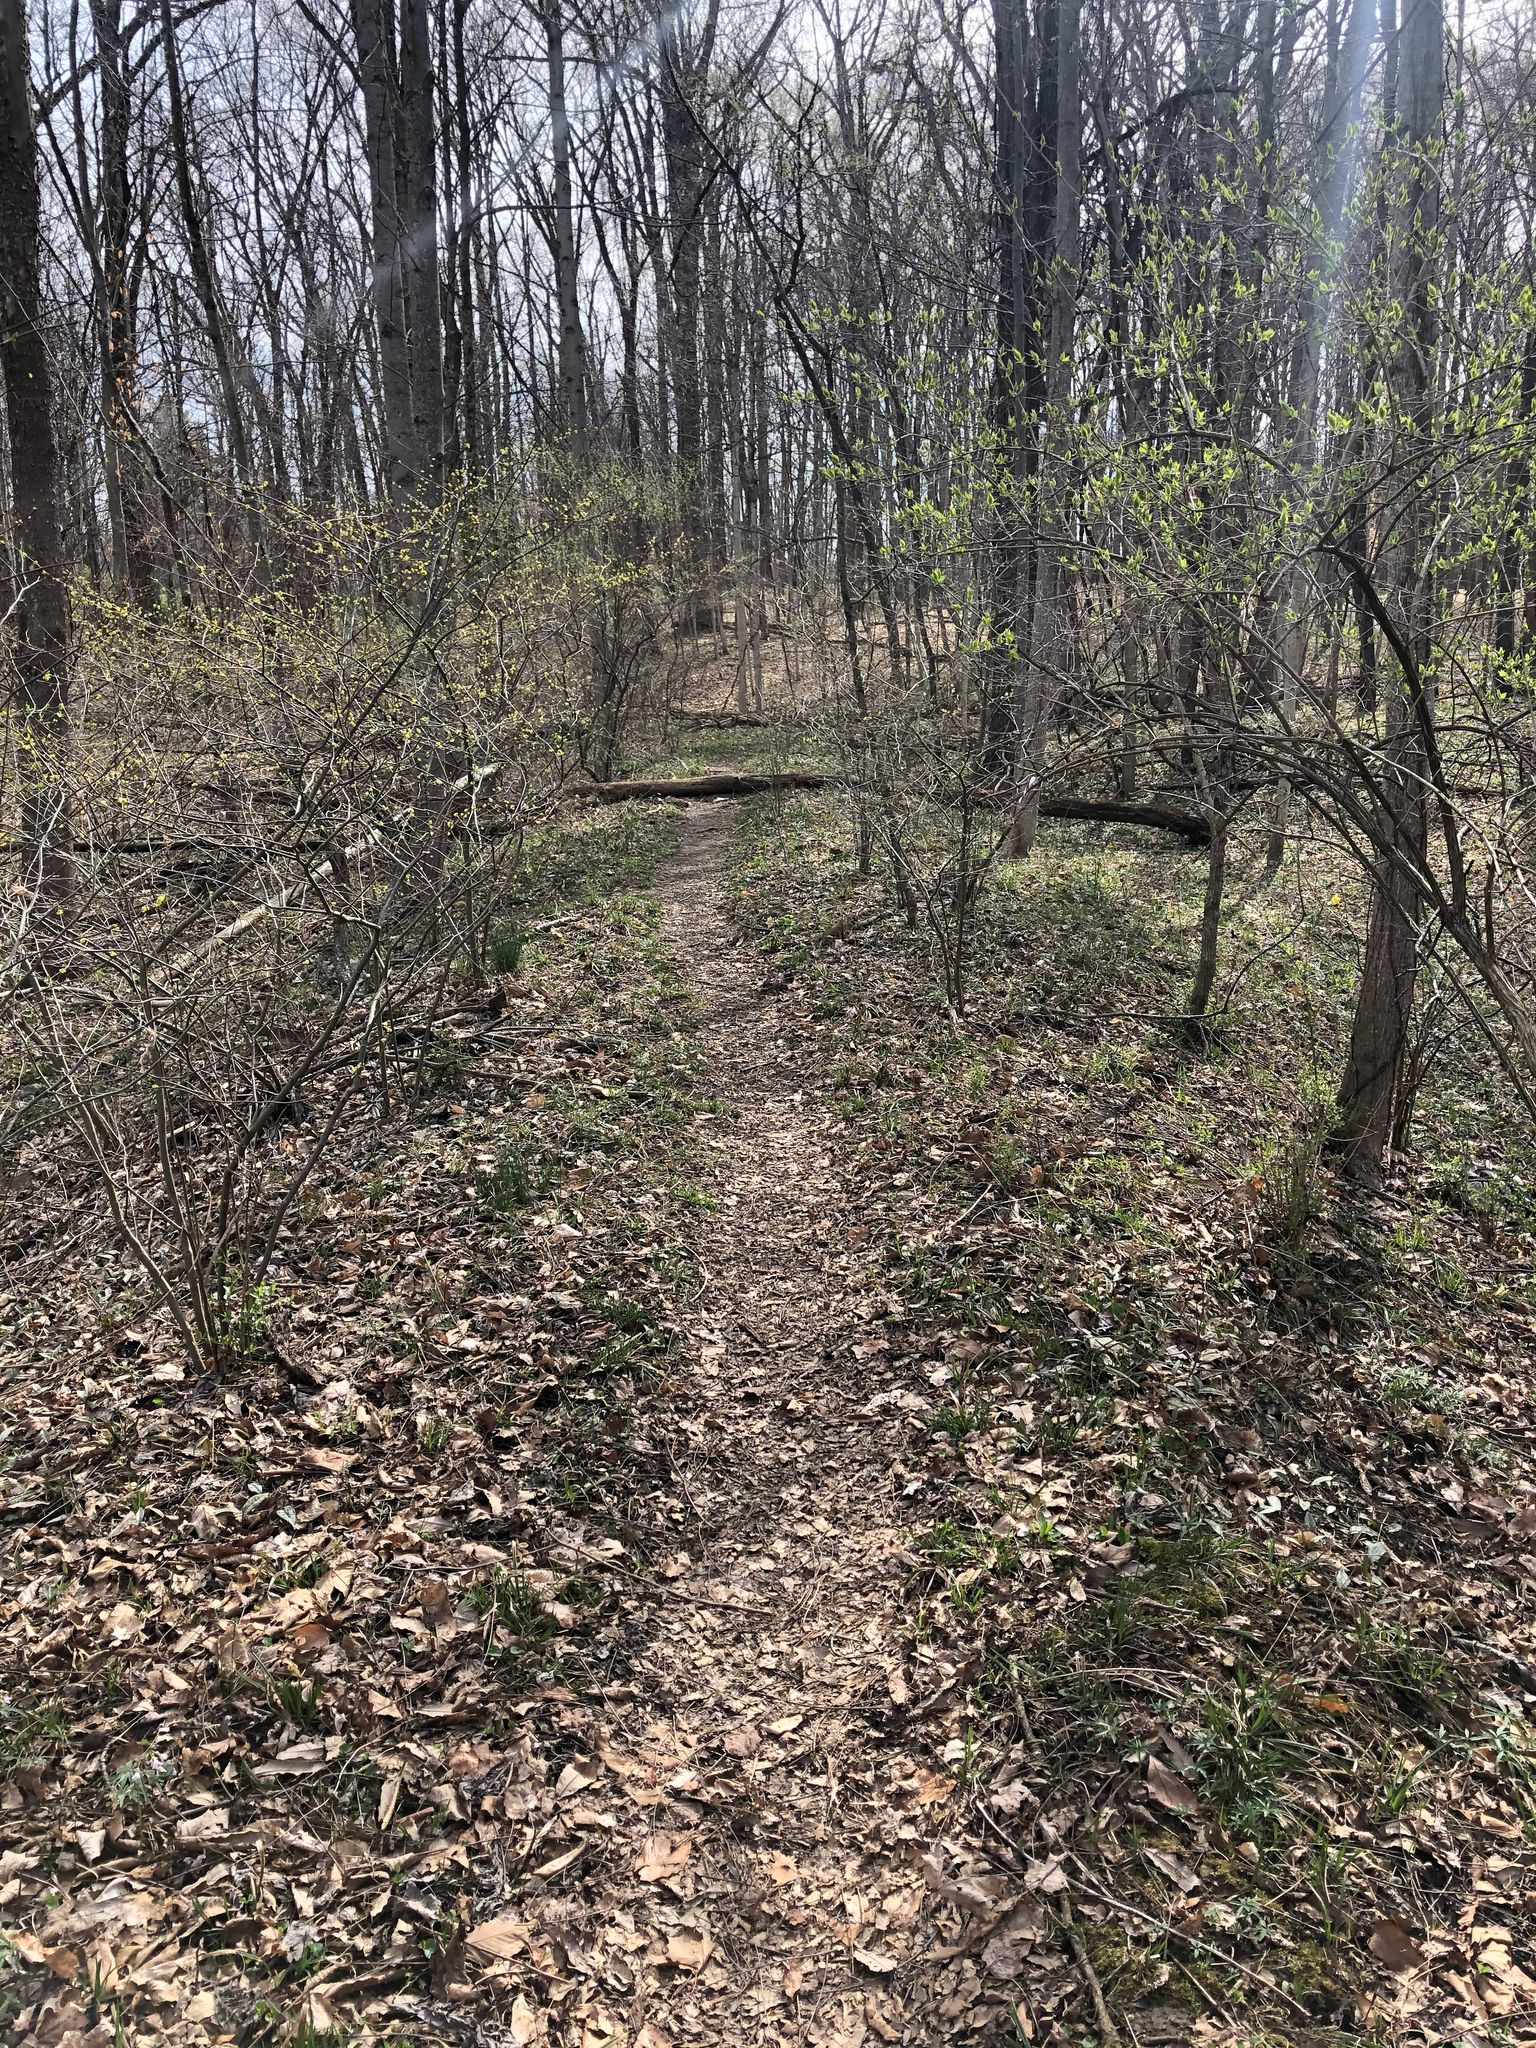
x=373, y=28
x=572, y=340
x=416, y=165
x=1389, y=975
x=42, y=642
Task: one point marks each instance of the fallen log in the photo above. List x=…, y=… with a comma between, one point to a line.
x=683, y=787
x=1156, y=817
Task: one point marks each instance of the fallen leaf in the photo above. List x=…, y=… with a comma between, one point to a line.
x=389, y=1799
x=1003, y=1956
x=206, y=1826
x=1391, y=1943
x=689, y=1951
x=1168, y=1790
x=334, y=1462
x=982, y=1894
x=497, y=1940
x=932, y=1790
x=663, y=1856
x=873, y=1960
x=296, y=1761
x=124, y=1622
x=576, y=1777
x=436, y=1601
x=1173, y=1868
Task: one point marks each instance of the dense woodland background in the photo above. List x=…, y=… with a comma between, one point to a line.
x=1101, y=403
x=1073, y=467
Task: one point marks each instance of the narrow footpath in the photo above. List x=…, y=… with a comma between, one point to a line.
x=782, y=1802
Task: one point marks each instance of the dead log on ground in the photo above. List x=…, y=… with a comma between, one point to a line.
x=1156, y=817
x=684, y=787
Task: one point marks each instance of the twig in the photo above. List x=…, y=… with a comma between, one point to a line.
x=1172, y=1933
x=1109, y=2034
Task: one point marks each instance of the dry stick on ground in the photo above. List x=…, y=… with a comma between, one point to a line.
x=1110, y=2035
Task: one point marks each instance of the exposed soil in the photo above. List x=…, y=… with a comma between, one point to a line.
x=769, y=1726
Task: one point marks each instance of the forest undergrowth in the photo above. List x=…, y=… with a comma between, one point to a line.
x=274, y=1633
x=1223, y=1540
x=1197, y=1708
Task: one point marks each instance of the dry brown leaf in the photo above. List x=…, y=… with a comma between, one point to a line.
x=1168, y=1790
x=1003, y=1956
x=558, y=1863
x=932, y=1790
x=298, y=1760
x=497, y=1941
x=980, y=1893
x=206, y=1826
x=578, y=1776
x=689, y=1951
x=1173, y=1868
x=436, y=1601
x=663, y=1856
x=1391, y=1943
x=333, y=1462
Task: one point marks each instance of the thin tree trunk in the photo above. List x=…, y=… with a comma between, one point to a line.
x=1389, y=975
x=203, y=277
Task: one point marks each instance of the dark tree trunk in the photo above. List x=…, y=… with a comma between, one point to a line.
x=416, y=169
x=572, y=345
x=42, y=638
x=133, y=564
x=373, y=26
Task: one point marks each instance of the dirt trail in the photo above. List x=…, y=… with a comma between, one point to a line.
x=773, y=1870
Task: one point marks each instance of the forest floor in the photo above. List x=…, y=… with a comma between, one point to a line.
x=763, y=1514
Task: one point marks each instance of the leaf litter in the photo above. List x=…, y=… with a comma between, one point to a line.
x=606, y=1625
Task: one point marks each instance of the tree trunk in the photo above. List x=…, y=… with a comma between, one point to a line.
x=133, y=566
x=682, y=72
x=416, y=168
x=42, y=642
x=1050, y=628
x=1334, y=153
x=572, y=342
x=1384, y=1002
x=203, y=277
x=373, y=27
